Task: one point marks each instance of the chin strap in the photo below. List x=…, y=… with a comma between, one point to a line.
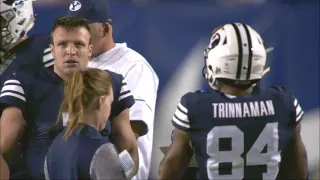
x=263, y=74
x=270, y=49
x=266, y=71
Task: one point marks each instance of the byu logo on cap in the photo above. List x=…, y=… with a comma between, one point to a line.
x=75, y=6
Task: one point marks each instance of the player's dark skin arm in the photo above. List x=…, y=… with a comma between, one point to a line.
x=294, y=159
x=124, y=137
x=176, y=161
x=12, y=126
x=4, y=169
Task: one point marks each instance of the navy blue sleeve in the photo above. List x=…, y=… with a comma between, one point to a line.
x=46, y=57
x=14, y=92
x=292, y=103
x=297, y=110
x=181, y=117
x=123, y=97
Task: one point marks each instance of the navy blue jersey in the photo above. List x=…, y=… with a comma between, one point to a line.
x=32, y=53
x=123, y=97
x=239, y=137
x=83, y=155
x=38, y=95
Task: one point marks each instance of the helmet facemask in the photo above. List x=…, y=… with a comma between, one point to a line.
x=17, y=19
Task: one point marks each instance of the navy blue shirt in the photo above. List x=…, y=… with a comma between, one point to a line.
x=38, y=94
x=239, y=137
x=81, y=156
x=31, y=54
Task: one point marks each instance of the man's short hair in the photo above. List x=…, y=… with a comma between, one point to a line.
x=69, y=23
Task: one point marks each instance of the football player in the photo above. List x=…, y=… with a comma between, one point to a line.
x=237, y=129
x=17, y=51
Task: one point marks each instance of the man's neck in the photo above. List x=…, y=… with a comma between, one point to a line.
x=226, y=89
x=106, y=47
x=109, y=46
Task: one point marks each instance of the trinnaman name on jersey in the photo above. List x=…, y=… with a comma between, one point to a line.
x=243, y=109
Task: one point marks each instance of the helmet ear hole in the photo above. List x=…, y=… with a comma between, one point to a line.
x=210, y=67
x=211, y=80
x=204, y=72
x=225, y=41
x=215, y=40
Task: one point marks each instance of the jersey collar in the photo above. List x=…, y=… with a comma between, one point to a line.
x=52, y=76
x=89, y=130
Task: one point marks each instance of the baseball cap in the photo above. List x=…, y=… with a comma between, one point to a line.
x=90, y=10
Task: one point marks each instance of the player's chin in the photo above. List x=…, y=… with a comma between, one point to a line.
x=70, y=70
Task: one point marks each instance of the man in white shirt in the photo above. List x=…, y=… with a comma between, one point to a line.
x=137, y=72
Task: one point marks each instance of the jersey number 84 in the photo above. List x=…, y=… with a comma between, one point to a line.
x=268, y=136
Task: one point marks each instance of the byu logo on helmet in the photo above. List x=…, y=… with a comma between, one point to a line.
x=75, y=6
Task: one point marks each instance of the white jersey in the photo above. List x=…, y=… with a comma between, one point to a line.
x=143, y=83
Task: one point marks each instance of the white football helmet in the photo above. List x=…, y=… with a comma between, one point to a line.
x=17, y=19
x=236, y=56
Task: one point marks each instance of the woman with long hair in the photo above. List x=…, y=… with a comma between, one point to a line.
x=80, y=152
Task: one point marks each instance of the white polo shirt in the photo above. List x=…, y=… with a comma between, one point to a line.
x=143, y=83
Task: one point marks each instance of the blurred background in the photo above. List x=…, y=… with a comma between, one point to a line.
x=172, y=35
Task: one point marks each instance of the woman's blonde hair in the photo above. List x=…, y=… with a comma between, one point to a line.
x=82, y=91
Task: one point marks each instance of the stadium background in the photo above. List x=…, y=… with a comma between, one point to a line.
x=172, y=35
